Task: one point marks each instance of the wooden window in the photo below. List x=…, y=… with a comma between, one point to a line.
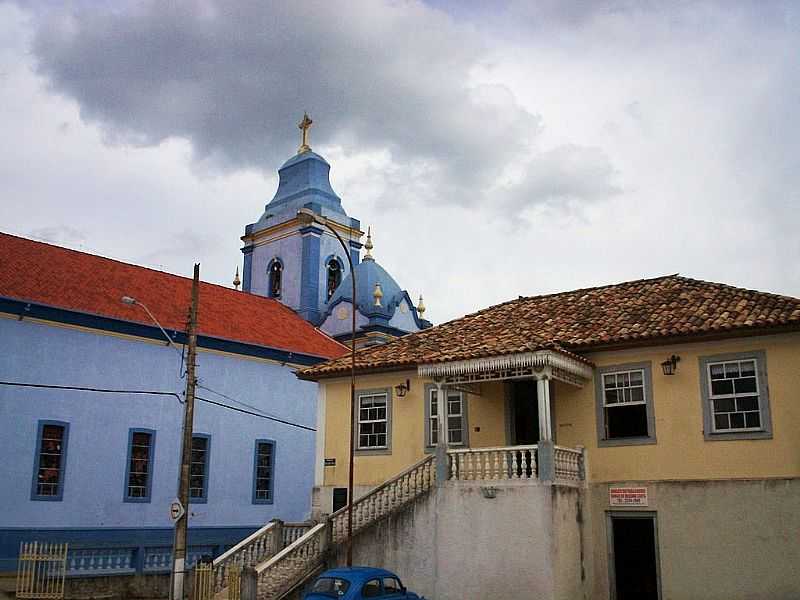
x=140, y=465
x=48, y=476
x=198, y=468
x=373, y=421
x=456, y=421
x=264, y=472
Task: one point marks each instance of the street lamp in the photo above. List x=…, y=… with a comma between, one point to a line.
x=134, y=302
x=307, y=216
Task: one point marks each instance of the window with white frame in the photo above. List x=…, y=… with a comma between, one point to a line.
x=373, y=421
x=624, y=404
x=455, y=418
x=733, y=394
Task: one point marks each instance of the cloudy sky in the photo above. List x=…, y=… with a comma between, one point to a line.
x=497, y=149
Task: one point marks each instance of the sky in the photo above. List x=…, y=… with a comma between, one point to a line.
x=496, y=149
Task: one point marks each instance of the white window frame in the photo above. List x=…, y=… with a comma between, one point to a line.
x=602, y=404
x=710, y=431
x=431, y=418
x=712, y=397
x=360, y=396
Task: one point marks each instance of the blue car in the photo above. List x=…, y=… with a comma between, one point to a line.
x=354, y=583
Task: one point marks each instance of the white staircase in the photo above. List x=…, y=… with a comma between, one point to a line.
x=285, y=556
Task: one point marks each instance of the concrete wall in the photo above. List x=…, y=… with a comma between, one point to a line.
x=97, y=447
x=720, y=540
x=456, y=543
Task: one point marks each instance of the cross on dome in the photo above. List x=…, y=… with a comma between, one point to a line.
x=304, y=126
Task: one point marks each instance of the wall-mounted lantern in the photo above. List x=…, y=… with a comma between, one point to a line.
x=403, y=388
x=670, y=365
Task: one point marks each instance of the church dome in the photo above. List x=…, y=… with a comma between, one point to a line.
x=368, y=274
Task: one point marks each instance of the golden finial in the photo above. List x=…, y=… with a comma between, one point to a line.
x=236, y=281
x=368, y=245
x=305, y=125
x=377, y=294
x=420, y=307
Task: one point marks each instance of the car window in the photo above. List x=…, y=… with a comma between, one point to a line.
x=371, y=589
x=391, y=585
x=331, y=585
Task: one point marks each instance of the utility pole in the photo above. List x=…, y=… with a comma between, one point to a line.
x=182, y=523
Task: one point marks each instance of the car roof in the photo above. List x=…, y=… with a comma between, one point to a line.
x=357, y=574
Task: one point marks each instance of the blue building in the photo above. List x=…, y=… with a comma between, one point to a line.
x=99, y=469
x=305, y=267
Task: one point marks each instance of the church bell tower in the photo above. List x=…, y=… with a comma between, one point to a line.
x=284, y=259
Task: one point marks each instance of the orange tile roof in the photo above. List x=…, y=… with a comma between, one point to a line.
x=646, y=311
x=50, y=275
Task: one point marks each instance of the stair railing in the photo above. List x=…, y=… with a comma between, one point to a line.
x=385, y=498
x=251, y=551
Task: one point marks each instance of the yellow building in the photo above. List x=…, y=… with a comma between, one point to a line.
x=675, y=403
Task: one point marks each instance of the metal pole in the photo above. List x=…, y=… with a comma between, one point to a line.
x=181, y=525
x=352, y=392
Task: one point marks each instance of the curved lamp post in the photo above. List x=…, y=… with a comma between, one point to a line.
x=307, y=217
x=134, y=302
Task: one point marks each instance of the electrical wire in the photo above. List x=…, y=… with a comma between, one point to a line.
x=156, y=393
x=89, y=389
x=247, y=412
x=221, y=395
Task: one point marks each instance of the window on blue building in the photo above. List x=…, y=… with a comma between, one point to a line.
x=51, y=448
x=139, y=476
x=275, y=272
x=264, y=472
x=198, y=469
x=334, y=276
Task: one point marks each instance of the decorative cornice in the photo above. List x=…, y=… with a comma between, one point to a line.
x=561, y=366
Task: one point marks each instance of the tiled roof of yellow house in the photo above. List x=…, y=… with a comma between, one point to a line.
x=646, y=311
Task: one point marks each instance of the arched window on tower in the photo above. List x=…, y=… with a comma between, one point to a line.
x=275, y=272
x=334, y=276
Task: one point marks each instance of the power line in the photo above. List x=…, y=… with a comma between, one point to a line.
x=155, y=393
x=221, y=395
x=247, y=412
x=89, y=389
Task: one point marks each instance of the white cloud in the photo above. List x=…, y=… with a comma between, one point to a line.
x=574, y=149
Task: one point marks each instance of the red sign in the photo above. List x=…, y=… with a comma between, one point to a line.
x=627, y=496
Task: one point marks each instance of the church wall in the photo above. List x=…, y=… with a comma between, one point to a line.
x=92, y=507
x=289, y=250
x=329, y=247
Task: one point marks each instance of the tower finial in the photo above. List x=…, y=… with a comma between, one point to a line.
x=304, y=126
x=420, y=307
x=377, y=294
x=368, y=245
x=236, y=281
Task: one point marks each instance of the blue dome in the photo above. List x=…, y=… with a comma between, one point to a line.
x=368, y=273
x=305, y=178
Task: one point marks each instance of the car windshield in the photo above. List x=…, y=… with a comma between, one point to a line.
x=330, y=585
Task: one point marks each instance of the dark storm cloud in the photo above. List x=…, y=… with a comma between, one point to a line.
x=234, y=77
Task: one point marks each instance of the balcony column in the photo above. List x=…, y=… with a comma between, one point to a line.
x=545, y=453
x=545, y=409
x=442, y=461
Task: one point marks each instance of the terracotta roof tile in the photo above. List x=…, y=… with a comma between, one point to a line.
x=54, y=276
x=642, y=311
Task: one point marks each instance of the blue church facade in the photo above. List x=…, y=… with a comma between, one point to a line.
x=100, y=469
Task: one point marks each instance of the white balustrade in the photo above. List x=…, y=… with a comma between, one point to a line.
x=501, y=463
x=568, y=464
